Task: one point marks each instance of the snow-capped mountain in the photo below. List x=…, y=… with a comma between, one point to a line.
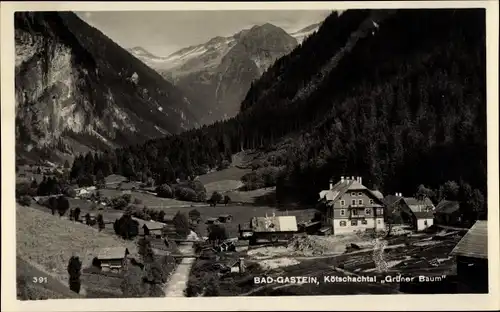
x=219, y=72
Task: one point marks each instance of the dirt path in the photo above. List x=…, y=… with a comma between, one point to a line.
x=178, y=281
x=345, y=254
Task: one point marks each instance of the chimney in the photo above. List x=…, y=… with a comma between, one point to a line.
x=331, y=184
x=360, y=180
x=342, y=179
x=353, y=178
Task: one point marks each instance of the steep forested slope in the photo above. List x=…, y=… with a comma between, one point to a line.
x=76, y=87
x=395, y=97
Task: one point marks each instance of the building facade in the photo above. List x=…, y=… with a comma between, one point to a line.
x=352, y=207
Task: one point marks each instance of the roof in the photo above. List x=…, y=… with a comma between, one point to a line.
x=417, y=205
x=424, y=214
x=378, y=194
x=112, y=253
x=475, y=243
x=344, y=186
x=274, y=224
x=447, y=206
x=391, y=199
x=225, y=216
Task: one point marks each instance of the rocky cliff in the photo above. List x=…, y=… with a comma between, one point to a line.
x=77, y=90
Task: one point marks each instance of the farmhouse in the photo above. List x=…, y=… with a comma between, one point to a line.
x=270, y=228
x=113, y=258
x=153, y=229
x=472, y=259
x=448, y=213
x=85, y=191
x=350, y=207
x=419, y=213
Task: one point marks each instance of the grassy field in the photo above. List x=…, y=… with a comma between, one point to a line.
x=50, y=241
x=150, y=200
x=27, y=289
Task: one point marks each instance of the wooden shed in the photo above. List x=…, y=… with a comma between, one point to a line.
x=113, y=258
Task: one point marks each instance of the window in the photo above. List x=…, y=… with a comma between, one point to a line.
x=371, y=201
x=342, y=223
x=368, y=211
x=360, y=194
x=378, y=221
x=364, y=222
x=425, y=222
x=380, y=211
x=360, y=202
x=342, y=203
x=354, y=212
x=353, y=202
x=342, y=212
x=354, y=222
x=353, y=194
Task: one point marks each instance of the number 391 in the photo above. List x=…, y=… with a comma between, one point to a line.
x=39, y=280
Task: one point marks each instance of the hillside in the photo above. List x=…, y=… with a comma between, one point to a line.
x=49, y=241
x=392, y=96
x=77, y=90
x=218, y=73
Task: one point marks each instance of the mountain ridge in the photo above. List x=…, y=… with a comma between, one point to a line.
x=207, y=71
x=71, y=94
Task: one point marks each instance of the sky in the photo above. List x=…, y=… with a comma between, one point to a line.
x=164, y=32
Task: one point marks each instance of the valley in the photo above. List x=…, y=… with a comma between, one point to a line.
x=354, y=147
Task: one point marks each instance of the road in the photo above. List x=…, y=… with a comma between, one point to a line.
x=178, y=281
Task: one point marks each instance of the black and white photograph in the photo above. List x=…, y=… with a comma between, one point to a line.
x=242, y=153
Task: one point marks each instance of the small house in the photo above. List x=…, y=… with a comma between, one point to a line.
x=422, y=220
x=471, y=254
x=153, y=229
x=419, y=213
x=448, y=213
x=113, y=258
x=213, y=221
x=237, y=266
x=225, y=218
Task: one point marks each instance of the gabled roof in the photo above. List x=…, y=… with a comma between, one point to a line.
x=274, y=224
x=112, y=253
x=423, y=214
x=344, y=186
x=447, y=206
x=378, y=194
x=418, y=205
x=475, y=243
x=390, y=200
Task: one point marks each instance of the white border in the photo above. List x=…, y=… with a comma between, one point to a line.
x=360, y=302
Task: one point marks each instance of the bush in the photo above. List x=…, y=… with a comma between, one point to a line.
x=261, y=177
x=216, y=233
x=164, y=191
x=185, y=193
x=120, y=203
x=62, y=205
x=194, y=214
x=74, y=271
x=25, y=200
x=216, y=198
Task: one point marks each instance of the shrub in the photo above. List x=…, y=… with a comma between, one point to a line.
x=25, y=200
x=62, y=205
x=185, y=193
x=216, y=233
x=164, y=191
x=216, y=198
x=194, y=214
